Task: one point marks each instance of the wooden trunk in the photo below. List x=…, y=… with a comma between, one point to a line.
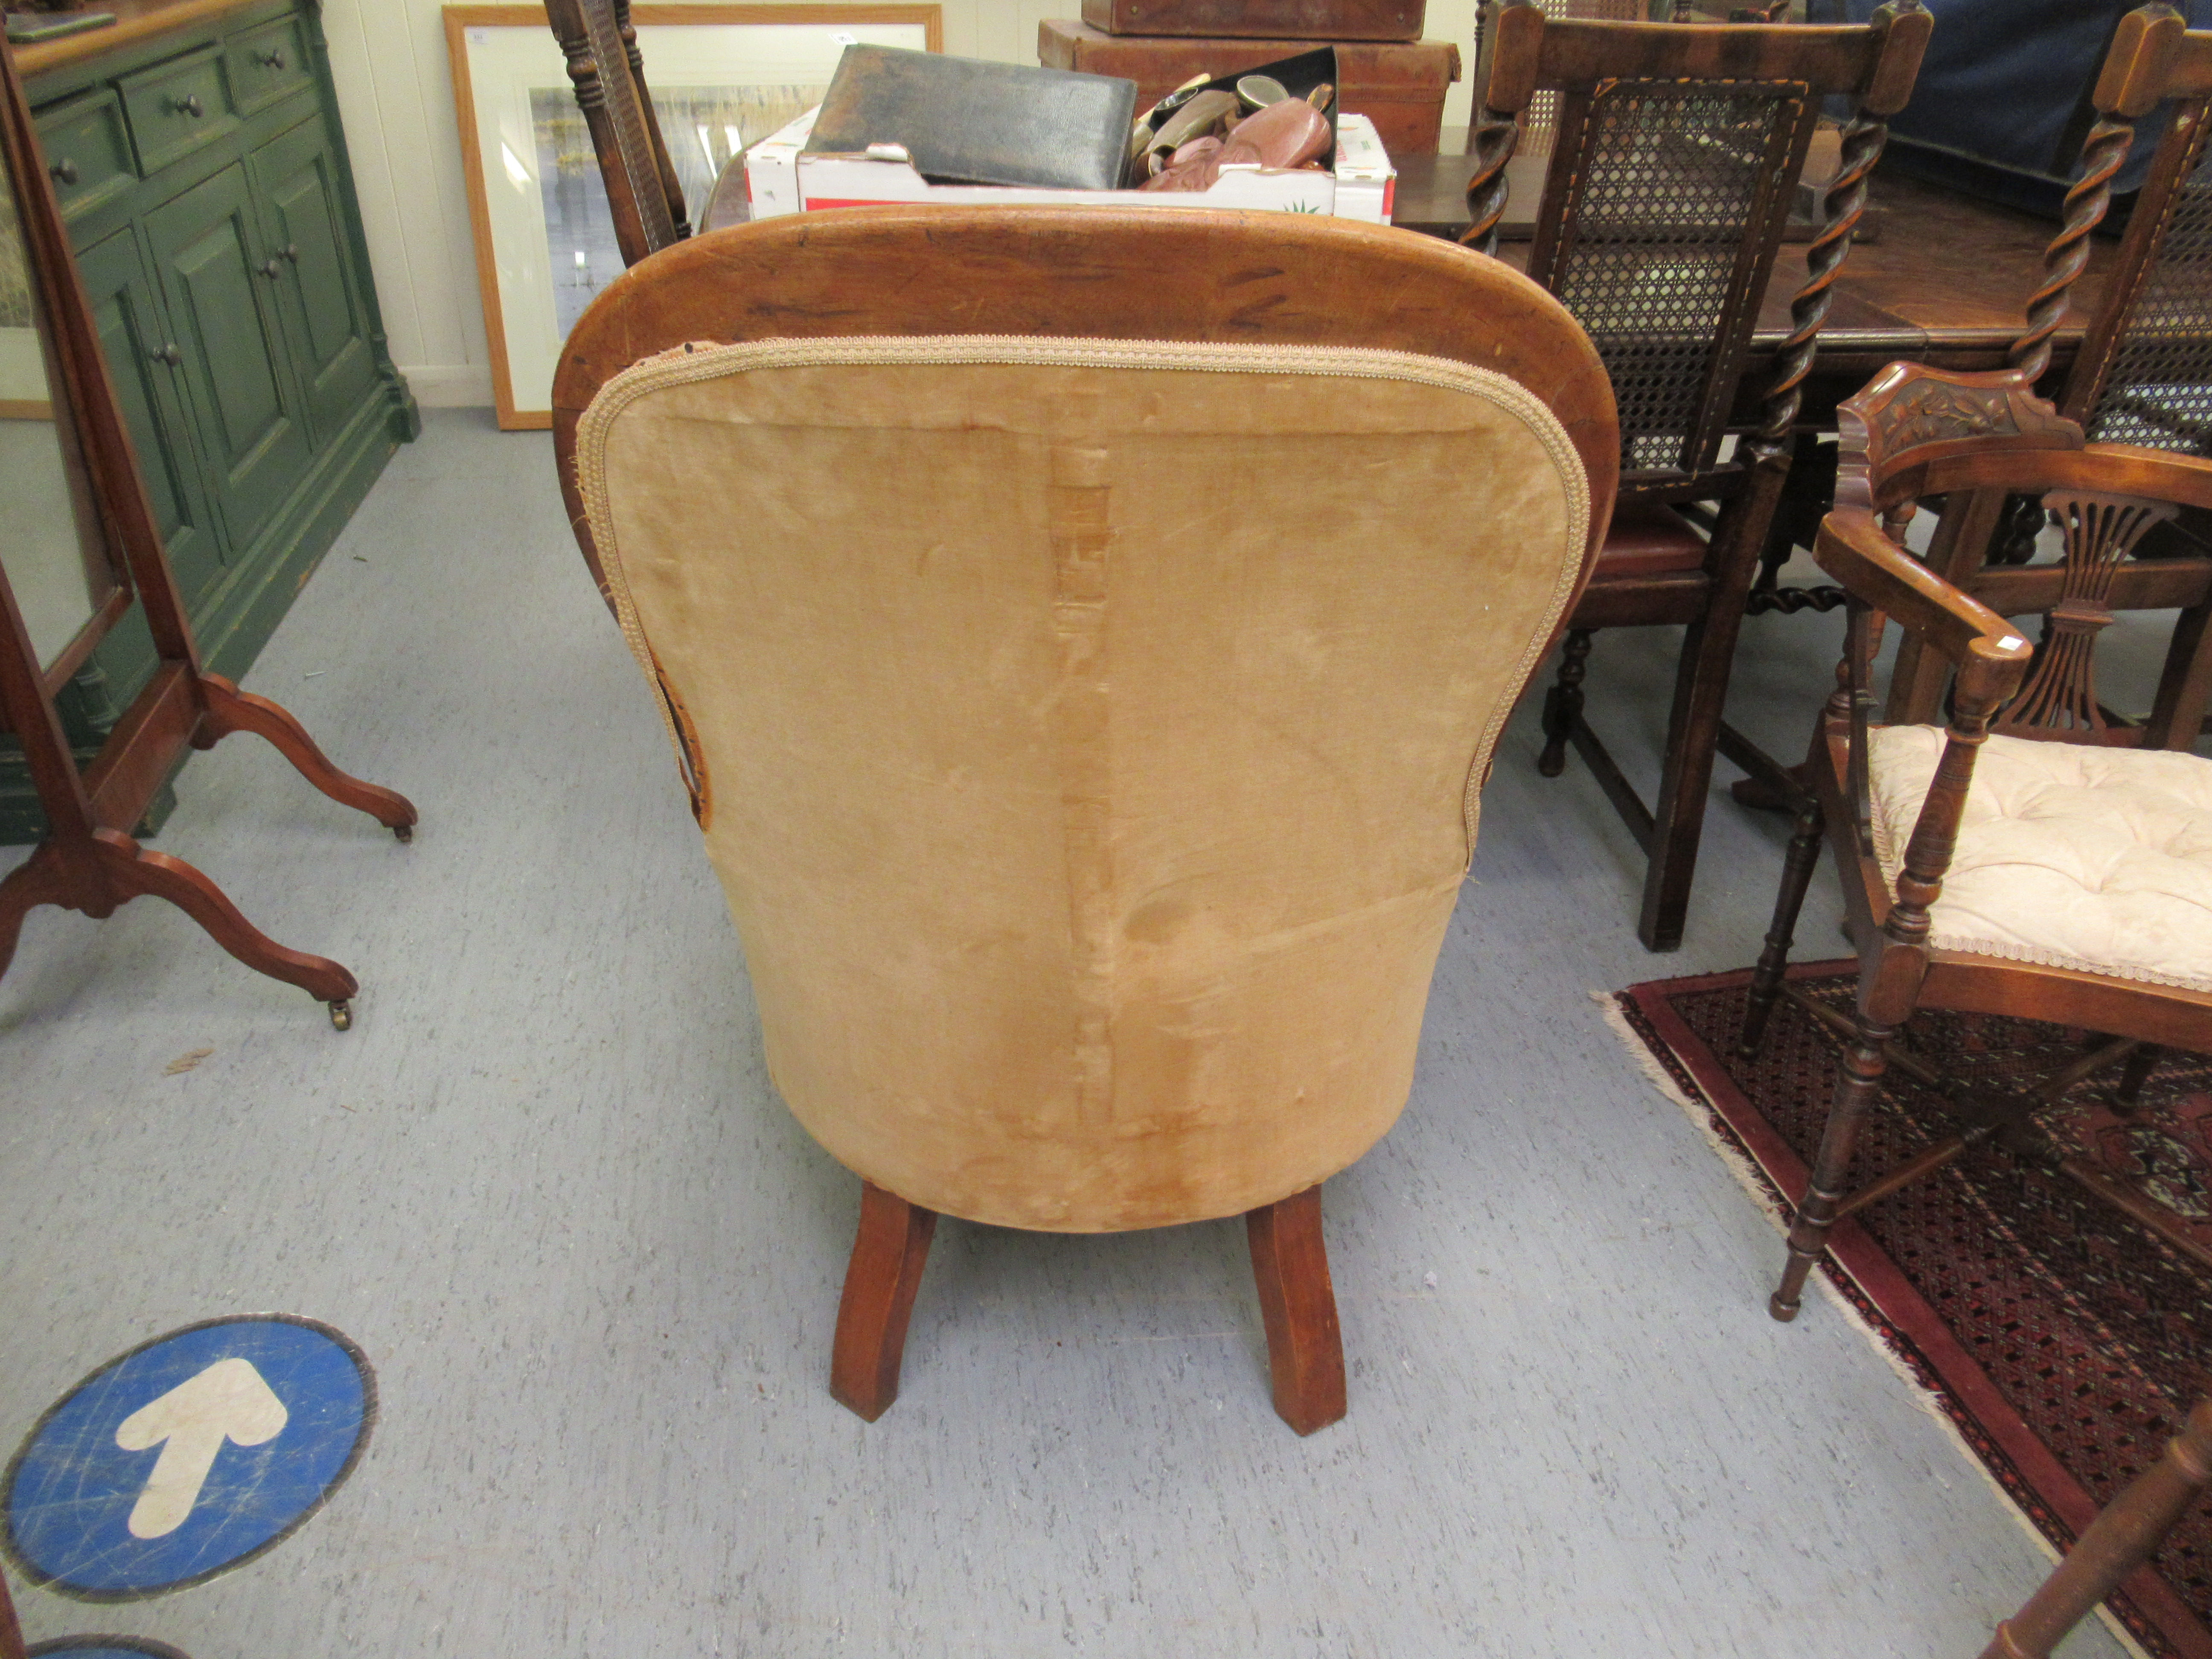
x=1399, y=86
x=1250, y=20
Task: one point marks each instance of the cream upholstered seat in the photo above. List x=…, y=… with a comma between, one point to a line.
x=2072, y=855
x=1087, y=728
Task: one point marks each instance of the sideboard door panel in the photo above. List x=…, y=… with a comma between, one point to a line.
x=222, y=303
x=134, y=336
x=296, y=176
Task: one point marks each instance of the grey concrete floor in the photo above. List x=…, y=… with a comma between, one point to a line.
x=544, y=1183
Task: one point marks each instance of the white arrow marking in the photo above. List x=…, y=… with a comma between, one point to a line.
x=227, y=1401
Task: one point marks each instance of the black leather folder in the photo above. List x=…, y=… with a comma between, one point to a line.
x=965, y=121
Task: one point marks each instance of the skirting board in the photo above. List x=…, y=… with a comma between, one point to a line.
x=450, y=386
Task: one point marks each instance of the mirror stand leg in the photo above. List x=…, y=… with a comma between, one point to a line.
x=229, y=709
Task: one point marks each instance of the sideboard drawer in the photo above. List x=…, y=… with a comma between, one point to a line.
x=87, y=150
x=176, y=106
x=267, y=63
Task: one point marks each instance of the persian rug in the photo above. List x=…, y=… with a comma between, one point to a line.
x=2064, y=1340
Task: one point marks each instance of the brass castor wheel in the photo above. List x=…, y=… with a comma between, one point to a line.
x=403, y=833
x=342, y=1013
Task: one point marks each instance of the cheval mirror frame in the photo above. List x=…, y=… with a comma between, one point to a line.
x=88, y=861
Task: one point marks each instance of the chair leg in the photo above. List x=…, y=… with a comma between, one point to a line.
x=1693, y=724
x=889, y=1253
x=1563, y=703
x=2126, y=1533
x=2141, y=1064
x=1798, y=864
x=1858, y=1082
x=1298, y=1305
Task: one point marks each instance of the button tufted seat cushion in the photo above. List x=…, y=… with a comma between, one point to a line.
x=2068, y=855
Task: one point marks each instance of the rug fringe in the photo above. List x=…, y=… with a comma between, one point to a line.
x=1753, y=1180
x=1609, y=1003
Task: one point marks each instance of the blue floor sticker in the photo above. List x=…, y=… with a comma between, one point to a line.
x=187, y=1456
x=101, y=1647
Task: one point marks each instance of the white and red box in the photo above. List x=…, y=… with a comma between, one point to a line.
x=780, y=177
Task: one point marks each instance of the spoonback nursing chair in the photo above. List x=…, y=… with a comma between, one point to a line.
x=1084, y=635
x=2033, y=858
x=1674, y=156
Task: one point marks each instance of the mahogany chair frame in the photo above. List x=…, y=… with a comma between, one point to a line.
x=937, y=271
x=644, y=196
x=1914, y=433
x=1792, y=68
x=2153, y=59
x=88, y=861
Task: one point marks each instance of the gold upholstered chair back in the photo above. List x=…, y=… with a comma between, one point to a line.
x=1088, y=732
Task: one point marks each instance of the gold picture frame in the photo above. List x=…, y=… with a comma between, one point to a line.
x=723, y=76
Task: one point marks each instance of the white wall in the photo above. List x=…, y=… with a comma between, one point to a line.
x=396, y=95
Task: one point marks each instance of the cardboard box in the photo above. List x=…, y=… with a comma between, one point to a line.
x=781, y=178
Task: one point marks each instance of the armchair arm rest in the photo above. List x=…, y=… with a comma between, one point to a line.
x=1989, y=653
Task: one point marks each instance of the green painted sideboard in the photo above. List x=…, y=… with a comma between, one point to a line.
x=200, y=165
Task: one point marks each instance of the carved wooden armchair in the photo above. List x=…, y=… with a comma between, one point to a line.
x=2143, y=374
x=1672, y=167
x=1086, y=685
x=643, y=193
x=2074, y=883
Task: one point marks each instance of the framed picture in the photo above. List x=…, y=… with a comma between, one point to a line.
x=723, y=77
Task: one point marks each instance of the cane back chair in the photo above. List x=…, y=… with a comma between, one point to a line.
x=1086, y=686
x=643, y=194
x=2143, y=374
x=1672, y=167
x=2074, y=884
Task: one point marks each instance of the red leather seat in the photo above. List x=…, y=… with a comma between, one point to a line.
x=1647, y=538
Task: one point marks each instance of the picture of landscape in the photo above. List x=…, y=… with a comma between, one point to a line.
x=703, y=127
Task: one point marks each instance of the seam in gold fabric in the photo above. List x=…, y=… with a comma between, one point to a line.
x=682, y=365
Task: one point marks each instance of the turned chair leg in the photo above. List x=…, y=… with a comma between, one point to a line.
x=889, y=1253
x=1858, y=1083
x=1798, y=864
x=1563, y=703
x=2141, y=1062
x=1298, y=1305
x=2126, y=1533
